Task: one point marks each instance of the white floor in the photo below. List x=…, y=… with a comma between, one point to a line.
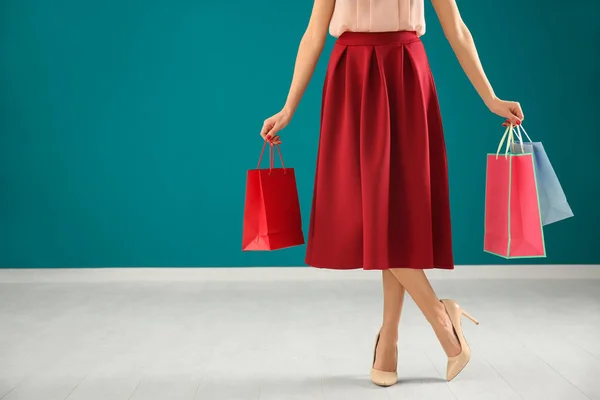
x=291, y=339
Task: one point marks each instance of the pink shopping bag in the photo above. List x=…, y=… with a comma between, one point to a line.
x=513, y=224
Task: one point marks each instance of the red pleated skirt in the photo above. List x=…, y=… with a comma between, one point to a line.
x=381, y=188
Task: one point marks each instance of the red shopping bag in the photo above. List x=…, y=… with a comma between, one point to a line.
x=513, y=224
x=272, y=211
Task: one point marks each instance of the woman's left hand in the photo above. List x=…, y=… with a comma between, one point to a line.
x=511, y=110
x=272, y=126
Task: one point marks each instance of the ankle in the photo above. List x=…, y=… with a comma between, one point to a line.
x=439, y=318
x=388, y=333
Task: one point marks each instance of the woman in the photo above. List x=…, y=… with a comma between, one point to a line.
x=381, y=189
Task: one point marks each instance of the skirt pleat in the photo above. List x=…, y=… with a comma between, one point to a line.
x=381, y=187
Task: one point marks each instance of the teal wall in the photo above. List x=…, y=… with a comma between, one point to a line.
x=127, y=127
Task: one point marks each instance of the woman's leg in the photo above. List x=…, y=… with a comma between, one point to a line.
x=418, y=287
x=393, y=299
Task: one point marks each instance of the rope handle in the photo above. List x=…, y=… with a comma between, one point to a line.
x=517, y=132
x=520, y=137
x=509, y=137
x=271, y=158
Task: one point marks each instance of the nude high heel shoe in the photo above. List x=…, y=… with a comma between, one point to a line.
x=383, y=378
x=459, y=362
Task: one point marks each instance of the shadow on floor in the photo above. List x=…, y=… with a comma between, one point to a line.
x=363, y=381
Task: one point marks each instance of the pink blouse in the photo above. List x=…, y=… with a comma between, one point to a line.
x=377, y=16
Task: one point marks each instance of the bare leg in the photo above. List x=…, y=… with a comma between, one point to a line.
x=393, y=299
x=416, y=283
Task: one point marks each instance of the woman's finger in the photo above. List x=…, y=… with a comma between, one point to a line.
x=267, y=136
x=514, y=120
x=267, y=125
x=517, y=111
x=272, y=132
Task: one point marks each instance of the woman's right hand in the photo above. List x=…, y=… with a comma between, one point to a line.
x=511, y=110
x=272, y=126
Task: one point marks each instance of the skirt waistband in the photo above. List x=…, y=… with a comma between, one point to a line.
x=377, y=38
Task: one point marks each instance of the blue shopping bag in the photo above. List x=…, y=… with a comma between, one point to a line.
x=553, y=202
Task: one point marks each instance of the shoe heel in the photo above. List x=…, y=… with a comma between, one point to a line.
x=466, y=314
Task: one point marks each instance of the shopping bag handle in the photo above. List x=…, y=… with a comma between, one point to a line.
x=518, y=134
x=271, y=157
x=509, y=137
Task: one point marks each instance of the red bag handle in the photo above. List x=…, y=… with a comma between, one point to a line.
x=271, y=157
